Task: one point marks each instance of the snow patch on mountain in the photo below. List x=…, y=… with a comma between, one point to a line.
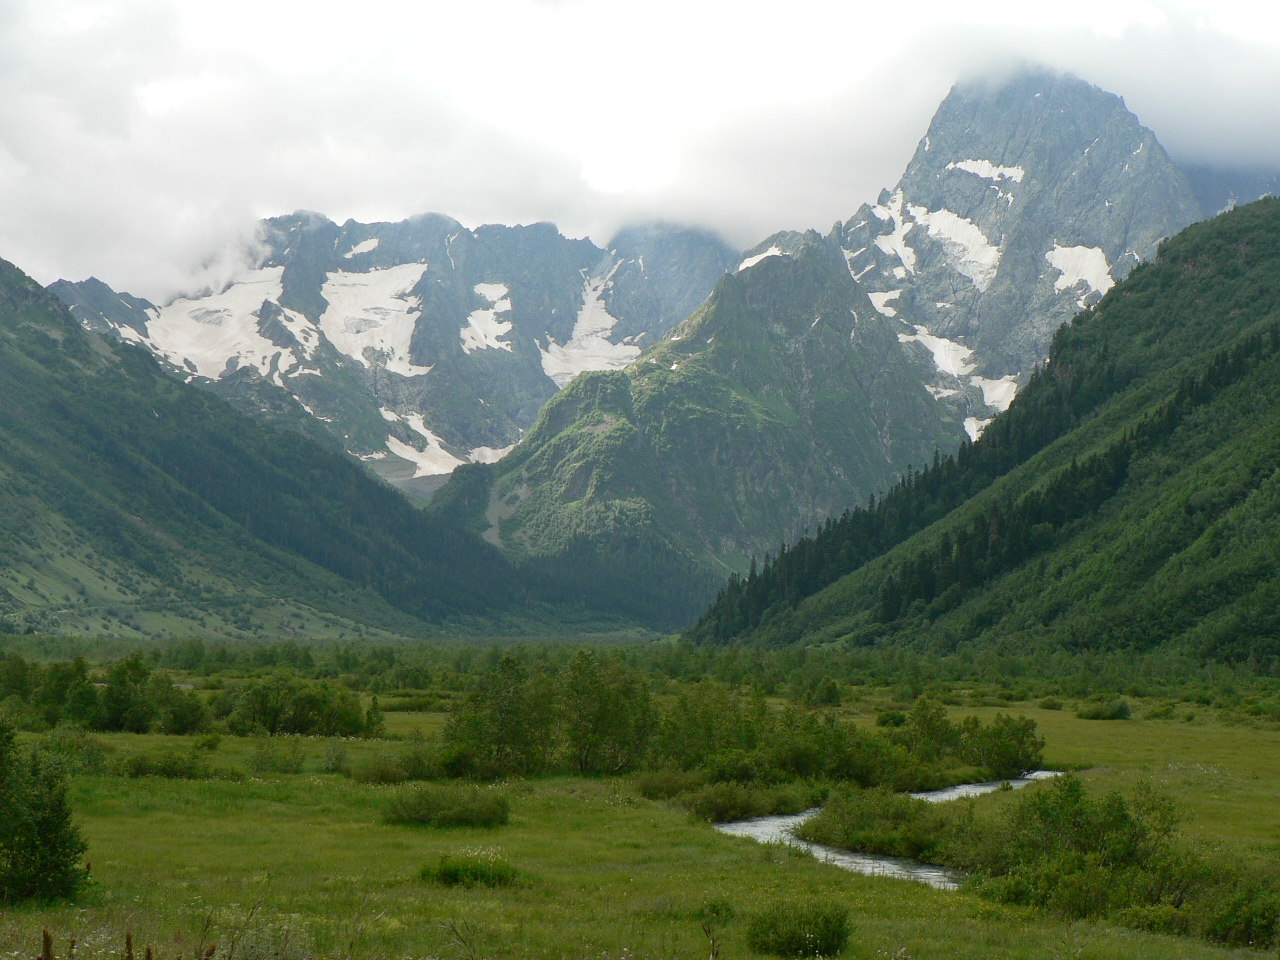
x=997, y=394
x=948, y=356
x=434, y=461
x=589, y=348
x=212, y=334
x=364, y=246
x=974, y=427
x=489, y=454
x=988, y=170
x=1080, y=263
x=484, y=330
x=773, y=251
x=895, y=242
x=371, y=316
x=968, y=248
x=881, y=300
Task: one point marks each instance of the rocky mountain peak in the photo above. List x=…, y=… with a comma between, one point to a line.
x=1024, y=203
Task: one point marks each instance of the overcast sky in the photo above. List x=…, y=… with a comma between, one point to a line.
x=141, y=139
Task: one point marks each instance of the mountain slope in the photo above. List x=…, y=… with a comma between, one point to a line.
x=416, y=345
x=1127, y=498
x=1026, y=200
x=783, y=398
x=133, y=503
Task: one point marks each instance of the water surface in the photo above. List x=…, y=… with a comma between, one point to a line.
x=781, y=829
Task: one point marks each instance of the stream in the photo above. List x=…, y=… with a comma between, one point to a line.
x=780, y=830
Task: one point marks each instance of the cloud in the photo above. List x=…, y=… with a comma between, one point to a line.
x=141, y=139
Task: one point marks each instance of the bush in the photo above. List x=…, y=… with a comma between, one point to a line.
x=75, y=751
x=667, y=783
x=799, y=929
x=879, y=821
x=1115, y=710
x=273, y=755
x=175, y=766
x=283, y=705
x=449, y=805
x=721, y=802
x=1050, y=703
x=208, y=741
x=40, y=846
x=891, y=718
x=380, y=768
x=420, y=762
x=472, y=867
x=335, y=758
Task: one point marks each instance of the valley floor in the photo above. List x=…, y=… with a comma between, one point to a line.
x=302, y=865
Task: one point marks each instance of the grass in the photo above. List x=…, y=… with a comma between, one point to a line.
x=612, y=874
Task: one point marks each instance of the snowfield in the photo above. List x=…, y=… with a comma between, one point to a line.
x=206, y=335
x=1076, y=264
x=968, y=249
x=988, y=170
x=371, y=316
x=773, y=251
x=948, y=356
x=484, y=330
x=589, y=348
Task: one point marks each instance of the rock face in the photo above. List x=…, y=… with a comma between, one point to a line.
x=418, y=345
x=1024, y=203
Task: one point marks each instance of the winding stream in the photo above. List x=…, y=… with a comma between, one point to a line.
x=781, y=830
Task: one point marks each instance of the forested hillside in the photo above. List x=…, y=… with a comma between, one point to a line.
x=1128, y=498
x=135, y=504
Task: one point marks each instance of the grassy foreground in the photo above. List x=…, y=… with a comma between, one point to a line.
x=302, y=865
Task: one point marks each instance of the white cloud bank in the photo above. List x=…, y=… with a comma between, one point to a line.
x=139, y=136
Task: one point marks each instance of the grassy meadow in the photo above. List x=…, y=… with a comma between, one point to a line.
x=302, y=865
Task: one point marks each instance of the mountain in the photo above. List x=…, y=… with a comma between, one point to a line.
x=1220, y=188
x=782, y=399
x=1025, y=202
x=1127, y=499
x=135, y=504
x=823, y=368
x=420, y=345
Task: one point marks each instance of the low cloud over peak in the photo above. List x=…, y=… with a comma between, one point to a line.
x=139, y=139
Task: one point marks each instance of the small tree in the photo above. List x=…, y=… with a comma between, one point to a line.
x=40, y=848
x=607, y=714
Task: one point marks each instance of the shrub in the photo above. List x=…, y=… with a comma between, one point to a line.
x=75, y=751
x=799, y=929
x=283, y=704
x=40, y=846
x=476, y=866
x=881, y=822
x=335, y=758
x=175, y=766
x=1006, y=747
x=667, y=783
x=420, y=762
x=1115, y=710
x=380, y=768
x=273, y=755
x=1050, y=703
x=891, y=718
x=825, y=693
x=208, y=741
x=449, y=805
x=720, y=802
